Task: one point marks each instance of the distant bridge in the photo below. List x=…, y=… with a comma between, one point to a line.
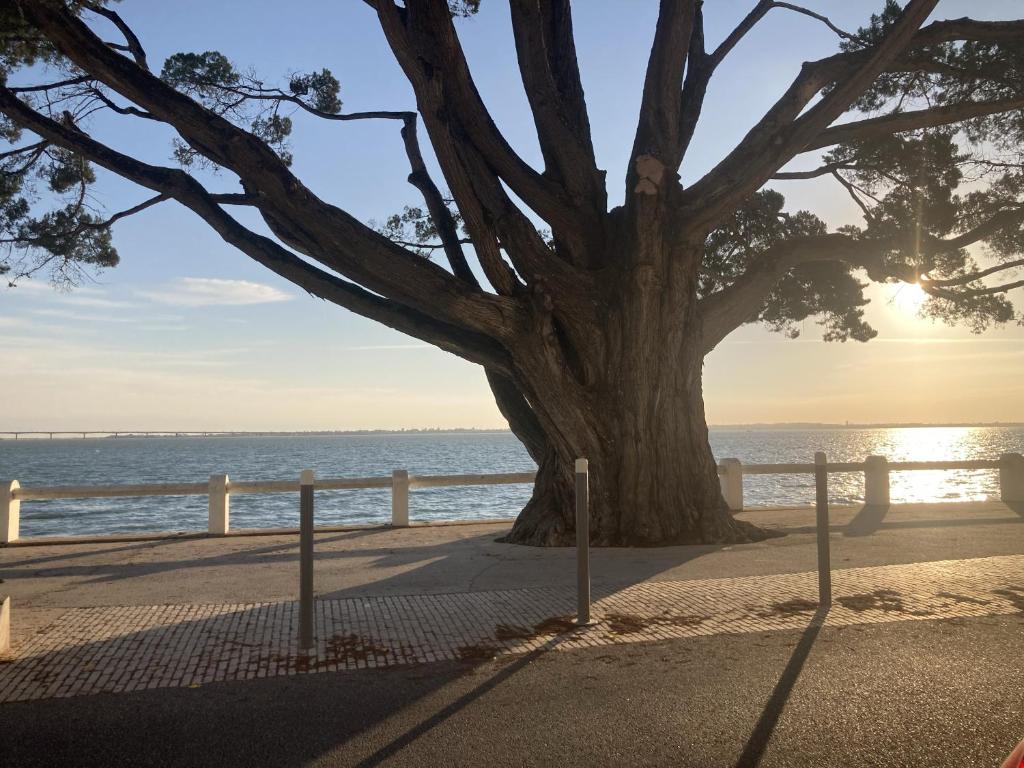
x=118, y=433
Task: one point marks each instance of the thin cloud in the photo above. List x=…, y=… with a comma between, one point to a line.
x=65, y=314
x=376, y=347
x=212, y=291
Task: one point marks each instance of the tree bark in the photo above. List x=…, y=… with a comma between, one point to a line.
x=655, y=483
x=628, y=398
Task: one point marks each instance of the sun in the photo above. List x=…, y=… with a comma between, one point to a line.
x=908, y=298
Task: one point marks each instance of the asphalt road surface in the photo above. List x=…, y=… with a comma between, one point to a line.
x=914, y=693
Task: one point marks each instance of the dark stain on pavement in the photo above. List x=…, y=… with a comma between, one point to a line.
x=887, y=600
x=476, y=654
x=793, y=607
x=556, y=625
x=963, y=598
x=1014, y=594
x=627, y=624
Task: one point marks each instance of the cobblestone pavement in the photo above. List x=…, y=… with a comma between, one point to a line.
x=115, y=649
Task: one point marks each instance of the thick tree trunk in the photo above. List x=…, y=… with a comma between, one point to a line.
x=628, y=398
x=655, y=483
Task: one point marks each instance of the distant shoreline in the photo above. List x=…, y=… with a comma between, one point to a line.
x=762, y=426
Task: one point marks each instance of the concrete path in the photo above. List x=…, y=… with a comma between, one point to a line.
x=465, y=558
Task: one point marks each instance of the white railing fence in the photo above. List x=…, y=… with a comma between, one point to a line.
x=876, y=471
x=220, y=488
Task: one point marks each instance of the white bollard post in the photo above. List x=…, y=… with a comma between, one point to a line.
x=220, y=505
x=1011, y=477
x=400, y=498
x=876, y=481
x=731, y=478
x=10, y=511
x=5, y=625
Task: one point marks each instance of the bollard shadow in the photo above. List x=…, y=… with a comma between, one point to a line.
x=1016, y=506
x=444, y=714
x=759, y=738
x=867, y=521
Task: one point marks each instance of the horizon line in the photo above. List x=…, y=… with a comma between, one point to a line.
x=404, y=430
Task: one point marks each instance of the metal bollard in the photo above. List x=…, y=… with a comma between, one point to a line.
x=582, y=542
x=821, y=507
x=306, y=559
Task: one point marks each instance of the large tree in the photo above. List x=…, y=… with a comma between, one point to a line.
x=592, y=324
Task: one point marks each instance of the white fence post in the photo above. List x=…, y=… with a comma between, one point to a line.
x=876, y=480
x=1011, y=477
x=10, y=511
x=220, y=505
x=400, y=498
x=5, y=625
x=731, y=478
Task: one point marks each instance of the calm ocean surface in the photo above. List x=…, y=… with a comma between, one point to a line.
x=154, y=460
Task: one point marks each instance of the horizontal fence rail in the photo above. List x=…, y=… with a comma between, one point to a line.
x=731, y=472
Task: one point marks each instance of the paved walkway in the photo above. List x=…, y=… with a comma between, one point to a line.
x=127, y=648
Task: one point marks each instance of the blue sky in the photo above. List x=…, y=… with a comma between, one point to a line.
x=187, y=333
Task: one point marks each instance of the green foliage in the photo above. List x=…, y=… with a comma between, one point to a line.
x=60, y=242
x=463, y=8
x=212, y=79
x=414, y=228
x=319, y=88
x=201, y=75
x=825, y=290
x=67, y=171
x=920, y=187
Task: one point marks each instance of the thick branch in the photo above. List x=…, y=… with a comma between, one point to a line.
x=443, y=220
x=784, y=131
x=969, y=293
x=733, y=38
x=913, y=120
x=465, y=143
x=178, y=185
x=823, y=170
x=658, y=129
x=294, y=213
x=134, y=46
x=971, y=276
x=725, y=310
x=425, y=43
x=547, y=62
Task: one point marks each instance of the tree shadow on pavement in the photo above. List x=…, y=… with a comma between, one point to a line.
x=756, y=745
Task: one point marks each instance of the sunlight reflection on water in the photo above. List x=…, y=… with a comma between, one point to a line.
x=155, y=460
x=896, y=444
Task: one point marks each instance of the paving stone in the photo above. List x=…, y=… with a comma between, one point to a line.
x=121, y=648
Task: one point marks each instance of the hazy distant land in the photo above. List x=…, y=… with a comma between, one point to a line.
x=779, y=425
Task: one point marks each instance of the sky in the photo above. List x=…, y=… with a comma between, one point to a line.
x=189, y=334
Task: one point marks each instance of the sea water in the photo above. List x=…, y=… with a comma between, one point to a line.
x=102, y=461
